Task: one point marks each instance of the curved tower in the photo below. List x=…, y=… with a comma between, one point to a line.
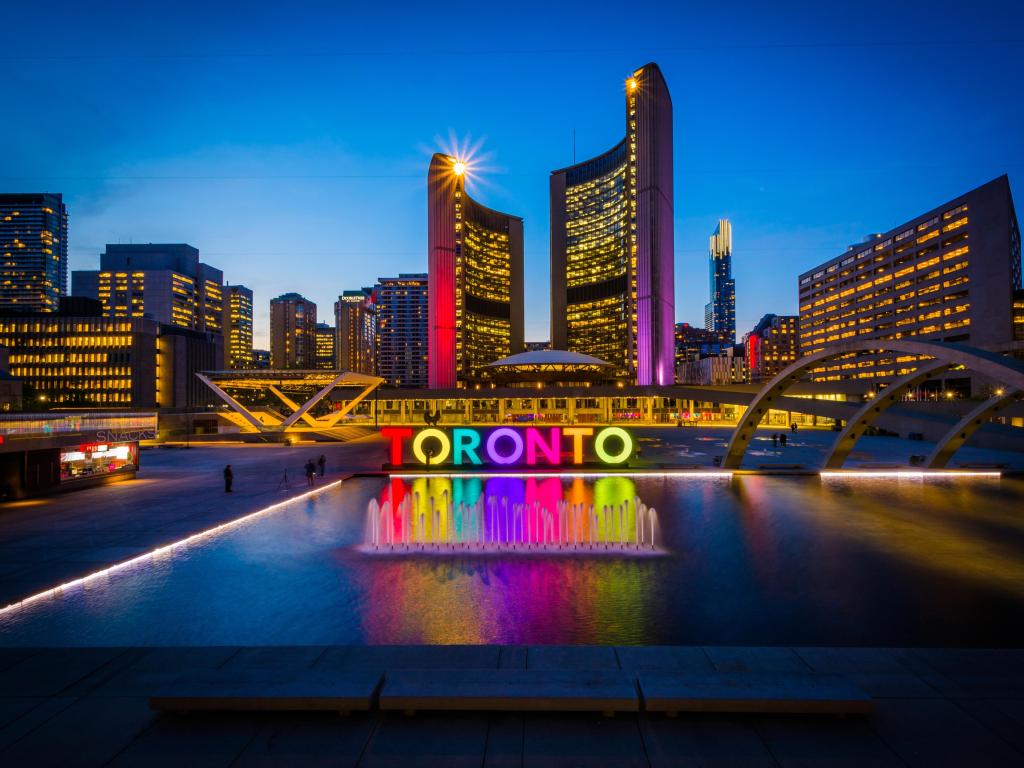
x=475, y=292
x=612, y=251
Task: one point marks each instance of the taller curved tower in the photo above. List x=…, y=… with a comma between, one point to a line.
x=612, y=252
x=475, y=284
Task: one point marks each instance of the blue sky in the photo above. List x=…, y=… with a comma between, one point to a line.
x=289, y=142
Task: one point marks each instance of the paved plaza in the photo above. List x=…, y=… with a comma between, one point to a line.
x=89, y=707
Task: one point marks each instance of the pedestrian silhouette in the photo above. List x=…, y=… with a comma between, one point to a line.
x=322, y=463
x=782, y=439
x=229, y=478
x=775, y=439
x=310, y=473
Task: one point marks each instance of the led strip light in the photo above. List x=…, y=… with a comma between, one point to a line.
x=908, y=474
x=147, y=556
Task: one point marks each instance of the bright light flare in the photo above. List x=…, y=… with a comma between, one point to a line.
x=469, y=162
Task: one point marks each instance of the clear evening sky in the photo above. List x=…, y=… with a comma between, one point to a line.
x=289, y=141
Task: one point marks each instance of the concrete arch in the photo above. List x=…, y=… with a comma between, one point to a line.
x=951, y=442
x=875, y=407
x=1003, y=369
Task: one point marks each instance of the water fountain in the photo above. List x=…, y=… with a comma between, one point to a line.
x=493, y=523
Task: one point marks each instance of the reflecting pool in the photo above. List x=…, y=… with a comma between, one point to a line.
x=747, y=560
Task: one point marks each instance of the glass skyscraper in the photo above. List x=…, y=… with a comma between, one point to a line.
x=34, y=247
x=720, y=311
x=612, y=254
x=401, y=305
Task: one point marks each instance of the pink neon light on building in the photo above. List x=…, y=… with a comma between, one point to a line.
x=475, y=306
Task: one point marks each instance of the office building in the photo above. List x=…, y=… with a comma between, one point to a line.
x=292, y=332
x=1018, y=316
x=949, y=274
x=612, y=284
x=693, y=343
x=402, y=313
x=261, y=359
x=720, y=311
x=10, y=386
x=475, y=268
x=79, y=357
x=325, y=350
x=355, y=319
x=729, y=367
x=771, y=346
x=34, y=247
x=237, y=327
x=164, y=282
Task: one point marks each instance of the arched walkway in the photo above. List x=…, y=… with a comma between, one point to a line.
x=1006, y=370
x=950, y=443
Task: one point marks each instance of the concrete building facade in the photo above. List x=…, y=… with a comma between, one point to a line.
x=949, y=274
x=162, y=281
x=475, y=273
x=771, y=345
x=355, y=321
x=292, y=332
x=237, y=326
x=325, y=347
x=79, y=357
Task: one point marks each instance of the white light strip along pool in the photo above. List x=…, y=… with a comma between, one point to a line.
x=937, y=474
x=146, y=556
x=567, y=473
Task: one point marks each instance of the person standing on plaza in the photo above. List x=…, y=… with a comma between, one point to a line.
x=782, y=439
x=775, y=439
x=310, y=473
x=322, y=463
x=229, y=478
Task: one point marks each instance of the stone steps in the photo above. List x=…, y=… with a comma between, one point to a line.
x=511, y=690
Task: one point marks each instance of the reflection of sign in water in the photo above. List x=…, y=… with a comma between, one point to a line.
x=505, y=446
x=115, y=436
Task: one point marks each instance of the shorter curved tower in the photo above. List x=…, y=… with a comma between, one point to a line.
x=612, y=251
x=475, y=291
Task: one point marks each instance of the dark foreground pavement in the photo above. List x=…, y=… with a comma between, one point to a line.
x=89, y=707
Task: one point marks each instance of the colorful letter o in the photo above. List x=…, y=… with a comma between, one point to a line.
x=422, y=437
x=616, y=458
x=492, y=446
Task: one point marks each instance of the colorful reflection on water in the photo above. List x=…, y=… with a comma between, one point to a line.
x=510, y=514
x=754, y=560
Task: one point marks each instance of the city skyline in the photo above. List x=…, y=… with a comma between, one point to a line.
x=311, y=182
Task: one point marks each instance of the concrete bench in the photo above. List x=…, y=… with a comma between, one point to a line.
x=295, y=690
x=511, y=690
x=749, y=692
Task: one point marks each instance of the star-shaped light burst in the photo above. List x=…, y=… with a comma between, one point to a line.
x=469, y=161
